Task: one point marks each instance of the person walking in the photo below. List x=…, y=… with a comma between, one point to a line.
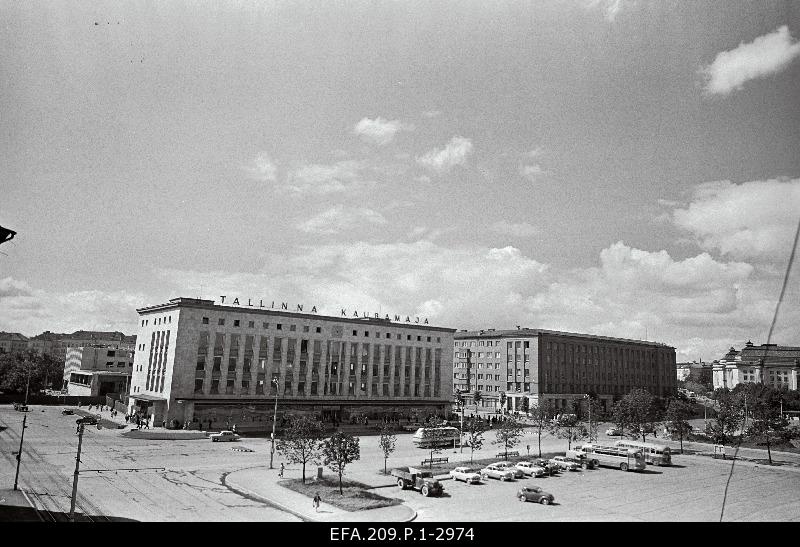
x=317, y=501
x=280, y=473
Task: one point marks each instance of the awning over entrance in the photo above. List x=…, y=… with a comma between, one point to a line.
x=146, y=397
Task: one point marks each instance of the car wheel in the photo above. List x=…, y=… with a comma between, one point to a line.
x=425, y=491
x=522, y=498
x=544, y=501
x=623, y=466
x=484, y=477
x=401, y=483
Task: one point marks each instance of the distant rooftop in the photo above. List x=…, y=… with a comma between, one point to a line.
x=528, y=332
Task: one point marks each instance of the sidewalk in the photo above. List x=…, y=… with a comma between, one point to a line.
x=263, y=484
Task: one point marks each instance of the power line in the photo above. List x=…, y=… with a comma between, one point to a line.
x=769, y=339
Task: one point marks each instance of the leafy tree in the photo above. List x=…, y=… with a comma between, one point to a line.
x=340, y=450
x=569, y=427
x=475, y=428
x=387, y=444
x=476, y=398
x=593, y=415
x=436, y=436
x=540, y=415
x=768, y=423
x=642, y=411
x=677, y=418
x=502, y=400
x=525, y=405
x=728, y=417
x=301, y=441
x=509, y=434
x=620, y=415
x=696, y=387
x=44, y=370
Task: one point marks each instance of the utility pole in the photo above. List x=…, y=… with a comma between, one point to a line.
x=28, y=383
x=274, y=419
x=19, y=454
x=461, y=434
x=77, y=470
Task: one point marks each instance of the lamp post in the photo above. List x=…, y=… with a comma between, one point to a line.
x=589, y=406
x=28, y=383
x=274, y=419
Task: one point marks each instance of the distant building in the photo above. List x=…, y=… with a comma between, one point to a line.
x=199, y=362
x=56, y=344
x=770, y=364
x=559, y=366
x=696, y=372
x=12, y=342
x=97, y=370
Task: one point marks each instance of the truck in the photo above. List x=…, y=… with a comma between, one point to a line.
x=416, y=479
x=582, y=458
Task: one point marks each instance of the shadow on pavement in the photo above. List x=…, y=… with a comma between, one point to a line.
x=29, y=514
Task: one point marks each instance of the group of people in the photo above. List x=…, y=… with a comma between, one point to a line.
x=140, y=421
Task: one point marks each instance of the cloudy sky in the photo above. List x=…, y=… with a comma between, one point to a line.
x=625, y=168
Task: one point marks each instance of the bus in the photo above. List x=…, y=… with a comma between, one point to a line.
x=626, y=459
x=427, y=437
x=655, y=454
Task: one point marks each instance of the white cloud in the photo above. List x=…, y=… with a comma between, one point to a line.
x=753, y=220
x=379, y=131
x=338, y=219
x=764, y=56
x=342, y=176
x=262, y=168
x=533, y=172
x=10, y=287
x=454, y=153
x=610, y=7
x=432, y=113
x=522, y=229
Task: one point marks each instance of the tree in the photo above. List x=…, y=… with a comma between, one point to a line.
x=508, y=434
x=767, y=421
x=593, y=413
x=436, y=435
x=540, y=415
x=476, y=398
x=525, y=405
x=301, y=441
x=387, y=444
x=695, y=387
x=620, y=415
x=728, y=416
x=340, y=450
x=502, y=400
x=642, y=411
x=677, y=418
x=45, y=372
x=475, y=428
x=569, y=427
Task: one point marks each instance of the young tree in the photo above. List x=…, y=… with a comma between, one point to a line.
x=340, y=450
x=301, y=441
x=728, y=417
x=569, y=427
x=768, y=423
x=641, y=411
x=540, y=415
x=502, y=400
x=677, y=418
x=473, y=433
x=476, y=398
x=436, y=435
x=525, y=405
x=508, y=434
x=387, y=444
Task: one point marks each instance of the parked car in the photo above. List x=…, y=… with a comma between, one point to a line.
x=21, y=407
x=466, y=474
x=67, y=412
x=531, y=469
x=547, y=466
x=518, y=473
x=494, y=472
x=535, y=494
x=88, y=420
x=224, y=436
x=613, y=432
x=565, y=464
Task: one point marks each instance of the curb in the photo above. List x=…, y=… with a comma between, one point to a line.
x=249, y=493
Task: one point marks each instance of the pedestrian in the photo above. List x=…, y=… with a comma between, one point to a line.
x=280, y=473
x=317, y=501
x=164, y=424
x=234, y=428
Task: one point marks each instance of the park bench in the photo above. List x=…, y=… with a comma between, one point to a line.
x=510, y=454
x=434, y=460
x=241, y=449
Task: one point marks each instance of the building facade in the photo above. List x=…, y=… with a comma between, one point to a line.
x=770, y=364
x=201, y=363
x=12, y=342
x=697, y=372
x=97, y=370
x=559, y=366
x=57, y=344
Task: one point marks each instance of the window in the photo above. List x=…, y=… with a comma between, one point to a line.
x=292, y=328
x=399, y=337
x=355, y=333
x=408, y=337
x=205, y=320
x=251, y=324
x=245, y=386
x=214, y=386
x=198, y=385
x=279, y=326
x=235, y=322
x=438, y=338
x=318, y=330
x=221, y=321
x=110, y=353
x=265, y=325
x=366, y=333
x=429, y=338
x=419, y=338
x=120, y=364
x=305, y=328
x=109, y=363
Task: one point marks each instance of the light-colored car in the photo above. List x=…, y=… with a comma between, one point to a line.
x=613, y=432
x=531, y=469
x=494, y=472
x=535, y=494
x=565, y=464
x=223, y=436
x=518, y=473
x=466, y=474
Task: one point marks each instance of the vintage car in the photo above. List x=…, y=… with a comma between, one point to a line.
x=531, y=469
x=565, y=464
x=224, y=436
x=495, y=472
x=67, y=412
x=466, y=474
x=535, y=494
x=518, y=473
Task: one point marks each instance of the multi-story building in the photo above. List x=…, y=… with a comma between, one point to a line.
x=559, y=366
x=56, y=344
x=12, y=342
x=697, y=372
x=97, y=370
x=770, y=364
x=198, y=362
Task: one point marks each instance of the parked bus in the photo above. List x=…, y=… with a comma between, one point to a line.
x=626, y=459
x=427, y=437
x=655, y=454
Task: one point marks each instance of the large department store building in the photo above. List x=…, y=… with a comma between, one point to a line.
x=559, y=366
x=197, y=361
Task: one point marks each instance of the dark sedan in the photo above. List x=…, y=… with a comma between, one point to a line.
x=535, y=494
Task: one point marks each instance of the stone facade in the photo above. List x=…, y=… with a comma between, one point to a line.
x=770, y=364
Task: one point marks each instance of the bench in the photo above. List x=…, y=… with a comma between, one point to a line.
x=510, y=454
x=434, y=460
x=241, y=449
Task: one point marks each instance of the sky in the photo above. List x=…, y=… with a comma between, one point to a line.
x=613, y=167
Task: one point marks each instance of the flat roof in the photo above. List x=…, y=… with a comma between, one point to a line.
x=198, y=303
x=531, y=333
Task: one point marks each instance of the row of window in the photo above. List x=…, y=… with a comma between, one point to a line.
x=231, y=387
x=157, y=321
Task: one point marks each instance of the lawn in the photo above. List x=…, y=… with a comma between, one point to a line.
x=356, y=497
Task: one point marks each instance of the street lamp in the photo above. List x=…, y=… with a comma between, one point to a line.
x=589, y=406
x=274, y=419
